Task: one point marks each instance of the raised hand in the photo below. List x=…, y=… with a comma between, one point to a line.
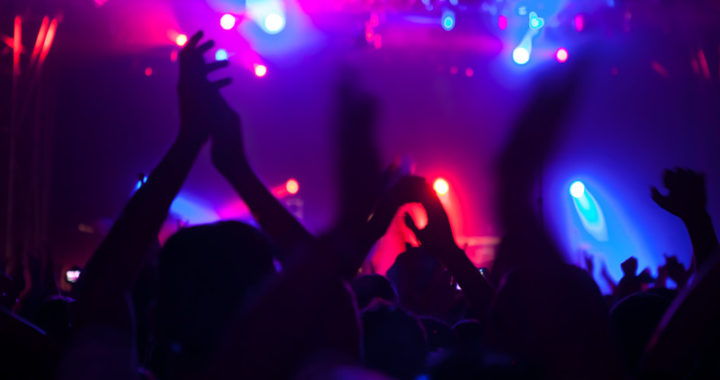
x=686, y=196
x=197, y=95
x=687, y=199
x=676, y=271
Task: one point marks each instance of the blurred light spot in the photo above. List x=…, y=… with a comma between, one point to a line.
x=579, y=22
x=260, y=70
x=502, y=22
x=577, y=189
x=521, y=55
x=221, y=55
x=227, y=21
x=561, y=55
x=535, y=22
x=292, y=186
x=441, y=186
x=469, y=72
x=448, y=20
x=181, y=40
x=148, y=71
x=274, y=23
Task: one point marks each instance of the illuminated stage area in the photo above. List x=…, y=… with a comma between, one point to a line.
x=468, y=67
x=564, y=126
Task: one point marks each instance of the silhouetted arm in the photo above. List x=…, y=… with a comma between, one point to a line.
x=438, y=237
x=687, y=199
x=112, y=269
x=229, y=158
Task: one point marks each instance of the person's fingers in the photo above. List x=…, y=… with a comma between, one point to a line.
x=218, y=84
x=660, y=199
x=410, y=223
x=202, y=49
x=194, y=40
x=210, y=67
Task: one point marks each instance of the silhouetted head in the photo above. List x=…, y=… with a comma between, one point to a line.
x=53, y=316
x=205, y=274
x=439, y=334
x=367, y=288
x=469, y=335
x=629, y=266
x=423, y=284
x=394, y=341
x=633, y=321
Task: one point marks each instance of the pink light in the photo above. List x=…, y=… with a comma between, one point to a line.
x=561, y=55
x=453, y=70
x=260, y=71
x=579, y=22
x=227, y=21
x=181, y=40
x=469, y=72
x=292, y=186
x=441, y=186
x=148, y=71
x=502, y=22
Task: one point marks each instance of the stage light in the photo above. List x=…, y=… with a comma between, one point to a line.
x=221, y=55
x=227, y=21
x=502, y=22
x=441, y=186
x=561, y=55
x=292, y=186
x=521, y=55
x=535, y=21
x=260, y=70
x=148, y=71
x=72, y=275
x=448, y=20
x=577, y=189
x=181, y=40
x=579, y=22
x=274, y=23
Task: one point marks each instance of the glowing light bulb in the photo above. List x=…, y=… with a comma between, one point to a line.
x=227, y=21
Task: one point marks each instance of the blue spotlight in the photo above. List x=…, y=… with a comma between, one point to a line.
x=589, y=211
x=274, y=23
x=521, y=55
x=221, y=55
x=535, y=21
x=577, y=189
x=448, y=20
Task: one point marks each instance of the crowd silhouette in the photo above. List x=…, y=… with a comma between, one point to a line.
x=231, y=301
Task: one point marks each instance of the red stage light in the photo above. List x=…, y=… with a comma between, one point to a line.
x=181, y=40
x=260, y=71
x=227, y=21
x=561, y=55
x=148, y=71
x=441, y=186
x=292, y=186
x=502, y=22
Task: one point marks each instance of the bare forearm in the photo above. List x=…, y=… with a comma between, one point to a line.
x=270, y=214
x=702, y=235
x=116, y=262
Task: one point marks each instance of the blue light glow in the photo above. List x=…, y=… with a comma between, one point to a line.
x=577, y=189
x=589, y=211
x=221, y=55
x=448, y=20
x=274, y=23
x=521, y=55
x=535, y=22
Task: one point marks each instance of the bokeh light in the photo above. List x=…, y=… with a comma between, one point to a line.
x=521, y=55
x=577, y=189
x=260, y=70
x=561, y=55
x=227, y=21
x=181, y=40
x=221, y=55
x=292, y=186
x=441, y=186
